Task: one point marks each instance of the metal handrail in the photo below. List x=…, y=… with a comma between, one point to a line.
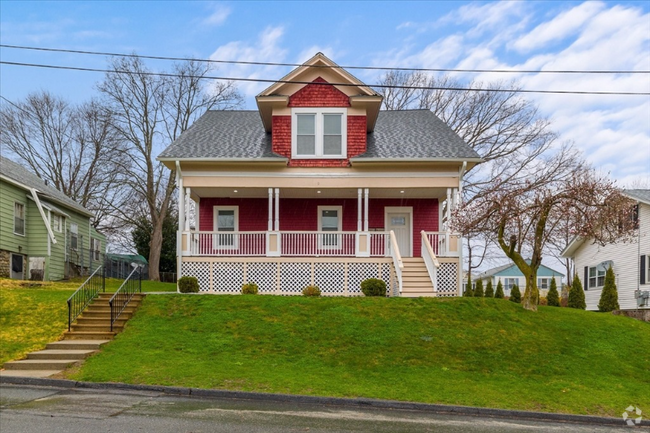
x=397, y=260
x=82, y=297
x=124, y=294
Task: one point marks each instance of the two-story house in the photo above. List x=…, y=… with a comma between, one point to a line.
x=318, y=186
x=43, y=233
x=629, y=259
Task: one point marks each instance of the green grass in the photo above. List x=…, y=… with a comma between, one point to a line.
x=476, y=352
x=33, y=314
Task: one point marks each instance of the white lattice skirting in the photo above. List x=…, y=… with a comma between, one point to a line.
x=447, y=276
x=333, y=277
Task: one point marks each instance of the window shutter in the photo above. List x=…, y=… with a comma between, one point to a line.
x=585, y=282
x=642, y=276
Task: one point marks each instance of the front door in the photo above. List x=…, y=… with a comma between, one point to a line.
x=400, y=223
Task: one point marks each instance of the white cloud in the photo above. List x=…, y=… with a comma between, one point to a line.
x=564, y=25
x=265, y=49
x=218, y=16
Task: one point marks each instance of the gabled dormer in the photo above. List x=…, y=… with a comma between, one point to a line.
x=319, y=114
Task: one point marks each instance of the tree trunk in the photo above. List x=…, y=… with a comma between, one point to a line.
x=531, y=296
x=154, y=250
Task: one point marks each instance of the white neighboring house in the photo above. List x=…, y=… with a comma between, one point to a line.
x=510, y=275
x=630, y=261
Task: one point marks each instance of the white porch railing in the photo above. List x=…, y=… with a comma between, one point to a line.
x=444, y=244
x=227, y=243
x=288, y=244
x=430, y=260
x=397, y=260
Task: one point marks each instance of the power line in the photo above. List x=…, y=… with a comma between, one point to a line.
x=380, y=68
x=386, y=86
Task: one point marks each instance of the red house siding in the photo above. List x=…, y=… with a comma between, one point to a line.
x=319, y=95
x=302, y=214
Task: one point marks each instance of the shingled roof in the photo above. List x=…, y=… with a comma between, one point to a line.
x=235, y=135
x=23, y=176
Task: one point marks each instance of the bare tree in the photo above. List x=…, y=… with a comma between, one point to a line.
x=69, y=147
x=558, y=192
x=151, y=111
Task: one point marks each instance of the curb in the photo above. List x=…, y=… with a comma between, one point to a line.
x=331, y=401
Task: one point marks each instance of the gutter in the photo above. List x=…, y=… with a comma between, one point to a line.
x=42, y=212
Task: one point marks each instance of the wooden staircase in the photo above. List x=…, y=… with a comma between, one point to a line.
x=415, y=278
x=90, y=331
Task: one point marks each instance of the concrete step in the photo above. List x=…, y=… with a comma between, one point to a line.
x=107, y=310
x=84, y=335
x=95, y=321
x=29, y=373
x=96, y=328
x=59, y=354
x=76, y=344
x=37, y=364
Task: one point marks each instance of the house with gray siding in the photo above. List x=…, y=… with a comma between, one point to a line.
x=629, y=258
x=43, y=233
x=510, y=275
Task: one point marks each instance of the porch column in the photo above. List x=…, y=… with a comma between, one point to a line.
x=365, y=210
x=359, y=209
x=277, y=209
x=181, y=223
x=188, y=192
x=270, y=225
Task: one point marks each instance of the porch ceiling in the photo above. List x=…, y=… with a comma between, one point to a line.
x=209, y=192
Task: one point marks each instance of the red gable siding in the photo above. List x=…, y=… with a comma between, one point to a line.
x=319, y=95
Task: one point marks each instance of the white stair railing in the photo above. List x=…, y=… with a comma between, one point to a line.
x=397, y=260
x=430, y=260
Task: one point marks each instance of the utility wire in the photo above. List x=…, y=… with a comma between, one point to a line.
x=380, y=68
x=385, y=86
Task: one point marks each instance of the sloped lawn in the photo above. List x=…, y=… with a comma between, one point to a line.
x=477, y=352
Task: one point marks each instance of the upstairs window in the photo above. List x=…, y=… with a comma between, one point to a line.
x=19, y=219
x=57, y=223
x=319, y=133
x=74, y=234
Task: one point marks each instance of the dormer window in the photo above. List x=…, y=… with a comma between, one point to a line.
x=319, y=133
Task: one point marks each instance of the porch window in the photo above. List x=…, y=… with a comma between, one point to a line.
x=319, y=133
x=226, y=219
x=74, y=233
x=19, y=218
x=329, y=220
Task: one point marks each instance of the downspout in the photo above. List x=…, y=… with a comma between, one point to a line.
x=181, y=223
x=461, y=174
x=42, y=212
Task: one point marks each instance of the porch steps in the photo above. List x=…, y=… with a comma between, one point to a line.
x=91, y=330
x=415, y=278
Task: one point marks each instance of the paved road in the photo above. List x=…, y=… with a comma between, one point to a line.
x=43, y=409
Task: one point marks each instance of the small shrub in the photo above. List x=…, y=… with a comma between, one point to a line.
x=499, y=293
x=577, y=295
x=478, y=290
x=489, y=290
x=543, y=301
x=373, y=287
x=553, y=298
x=515, y=294
x=188, y=284
x=564, y=298
x=249, y=289
x=311, y=291
x=609, y=296
x=469, y=292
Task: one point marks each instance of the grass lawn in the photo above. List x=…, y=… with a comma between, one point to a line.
x=476, y=352
x=33, y=314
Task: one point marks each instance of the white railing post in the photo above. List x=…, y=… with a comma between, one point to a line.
x=397, y=260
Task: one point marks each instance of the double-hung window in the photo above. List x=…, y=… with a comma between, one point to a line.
x=19, y=219
x=319, y=133
x=596, y=277
x=57, y=223
x=543, y=283
x=509, y=283
x=74, y=233
x=97, y=245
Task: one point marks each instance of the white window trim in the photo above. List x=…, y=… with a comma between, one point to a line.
x=339, y=228
x=58, y=218
x=319, y=132
x=596, y=286
x=548, y=284
x=215, y=239
x=24, y=219
x=97, y=246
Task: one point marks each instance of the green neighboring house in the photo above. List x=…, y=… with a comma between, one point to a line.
x=43, y=233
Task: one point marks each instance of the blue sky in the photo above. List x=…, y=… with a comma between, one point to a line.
x=612, y=131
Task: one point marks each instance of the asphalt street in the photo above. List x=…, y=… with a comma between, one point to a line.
x=26, y=409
